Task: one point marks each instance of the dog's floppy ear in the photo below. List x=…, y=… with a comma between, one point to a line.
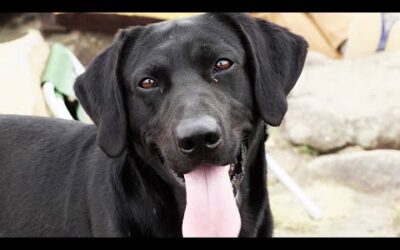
x=99, y=90
x=276, y=58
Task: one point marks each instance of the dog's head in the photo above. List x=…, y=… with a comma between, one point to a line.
x=190, y=91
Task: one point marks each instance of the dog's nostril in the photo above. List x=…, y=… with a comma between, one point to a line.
x=196, y=134
x=186, y=145
x=212, y=139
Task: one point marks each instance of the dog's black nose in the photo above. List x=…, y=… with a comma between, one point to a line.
x=196, y=133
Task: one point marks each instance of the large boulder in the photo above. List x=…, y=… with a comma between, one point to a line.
x=346, y=102
x=371, y=171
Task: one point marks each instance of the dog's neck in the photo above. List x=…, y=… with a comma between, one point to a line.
x=140, y=153
x=136, y=182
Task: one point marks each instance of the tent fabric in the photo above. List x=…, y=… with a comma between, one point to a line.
x=22, y=62
x=324, y=32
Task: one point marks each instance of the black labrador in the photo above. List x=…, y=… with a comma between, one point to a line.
x=180, y=111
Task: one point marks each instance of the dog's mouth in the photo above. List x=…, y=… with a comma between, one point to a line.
x=211, y=194
x=236, y=169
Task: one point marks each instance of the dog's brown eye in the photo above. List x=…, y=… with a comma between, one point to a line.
x=223, y=64
x=147, y=83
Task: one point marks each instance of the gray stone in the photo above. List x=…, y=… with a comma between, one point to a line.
x=346, y=102
x=379, y=131
x=369, y=171
x=323, y=131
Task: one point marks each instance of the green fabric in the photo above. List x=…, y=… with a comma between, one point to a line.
x=60, y=70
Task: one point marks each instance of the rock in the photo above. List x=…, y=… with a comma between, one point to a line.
x=323, y=131
x=368, y=171
x=379, y=131
x=396, y=219
x=346, y=102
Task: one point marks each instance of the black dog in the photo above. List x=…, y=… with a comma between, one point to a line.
x=178, y=143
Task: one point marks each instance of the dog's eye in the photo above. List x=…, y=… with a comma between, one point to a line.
x=223, y=64
x=148, y=83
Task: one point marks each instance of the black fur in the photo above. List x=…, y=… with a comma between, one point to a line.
x=119, y=176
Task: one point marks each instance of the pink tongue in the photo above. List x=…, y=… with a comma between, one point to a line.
x=211, y=210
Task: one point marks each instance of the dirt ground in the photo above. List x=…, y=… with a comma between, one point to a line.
x=346, y=211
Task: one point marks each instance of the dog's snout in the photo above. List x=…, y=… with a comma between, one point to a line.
x=196, y=133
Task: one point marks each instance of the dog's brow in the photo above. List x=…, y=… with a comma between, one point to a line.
x=213, y=49
x=156, y=64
